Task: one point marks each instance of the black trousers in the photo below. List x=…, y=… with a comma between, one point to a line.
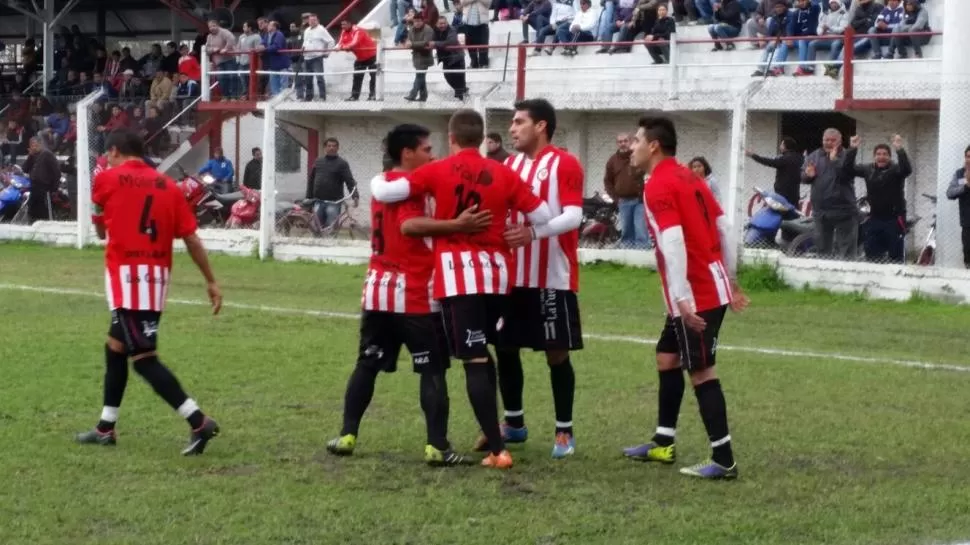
x=370, y=65
x=456, y=79
x=477, y=35
x=39, y=205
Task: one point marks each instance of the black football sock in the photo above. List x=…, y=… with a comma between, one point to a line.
x=360, y=390
x=511, y=383
x=115, y=382
x=435, y=404
x=481, y=394
x=710, y=400
x=168, y=388
x=563, y=391
x=669, y=397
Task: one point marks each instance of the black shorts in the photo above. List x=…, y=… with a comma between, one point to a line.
x=136, y=329
x=542, y=319
x=472, y=322
x=383, y=333
x=697, y=351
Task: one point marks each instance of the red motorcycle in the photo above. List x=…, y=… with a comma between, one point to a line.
x=598, y=228
x=245, y=212
x=211, y=209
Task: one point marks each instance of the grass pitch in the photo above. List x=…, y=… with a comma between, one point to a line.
x=830, y=451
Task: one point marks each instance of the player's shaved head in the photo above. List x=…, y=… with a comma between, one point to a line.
x=125, y=143
x=407, y=136
x=467, y=128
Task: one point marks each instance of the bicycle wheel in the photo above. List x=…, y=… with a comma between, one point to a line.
x=926, y=257
x=801, y=246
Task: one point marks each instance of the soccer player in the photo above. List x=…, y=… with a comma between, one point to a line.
x=471, y=278
x=698, y=272
x=546, y=275
x=397, y=305
x=142, y=212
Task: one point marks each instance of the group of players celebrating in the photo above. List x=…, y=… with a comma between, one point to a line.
x=466, y=253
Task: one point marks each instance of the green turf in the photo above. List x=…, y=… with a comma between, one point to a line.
x=830, y=451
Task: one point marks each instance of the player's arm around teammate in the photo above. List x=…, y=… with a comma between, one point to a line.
x=698, y=269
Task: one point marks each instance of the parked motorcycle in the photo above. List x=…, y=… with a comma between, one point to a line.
x=776, y=215
x=804, y=245
x=211, y=209
x=598, y=227
x=14, y=195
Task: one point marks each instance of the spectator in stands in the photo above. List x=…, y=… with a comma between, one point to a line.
x=126, y=61
x=475, y=27
x=658, y=41
x=357, y=41
x=401, y=33
x=219, y=167
x=727, y=17
x=326, y=182
x=494, y=148
x=803, y=24
x=614, y=21
x=831, y=26
x=123, y=86
x=420, y=40
x=580, y=30
x=886, y=193
x=70, y=138
x=889, y=18
x=273, y=60
x=862, y=17
x=248, y=41
x=107, y=89
x=151, y=62
x=253, y=174
x=606, y=25
x=156, y=137
x=705, y=11
x=219, y=43
x=536, y=15
x=187, y=90
x=189, y=65
x=294, y=42
x=14, y=143
x=170, y=63
x=834, y=207
x=84, y=84
x=685, y=10
x=118, y=120
x=317, y=43
x=45, y=178
x=40, y=107
x=398, y=10
x=69, y=87
x=702, y=168
x=777, y=49
x=959, y=190
x=788, y=168
x=915, y=19
x=160, y=92
x=429, y=10
x=501, y=9
x=642, y=21
x=57, y=127
x=624, y=184
x=451, y=57
x=562, y=14
x=757, y=25
x=100, y=59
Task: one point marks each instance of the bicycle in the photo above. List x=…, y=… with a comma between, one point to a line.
x=303, y=216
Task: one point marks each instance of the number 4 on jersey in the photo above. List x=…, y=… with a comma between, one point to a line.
x=146, y=225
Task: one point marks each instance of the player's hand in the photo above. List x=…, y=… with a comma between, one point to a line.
x=739, y=299
x=855, y=142
x=690, y=317
x=810, y=170
x=215, y=297
x=897, y=142
x=518, y=235
x=472, y=221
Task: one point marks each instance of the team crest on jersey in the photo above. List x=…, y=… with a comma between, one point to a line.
x=543, y=175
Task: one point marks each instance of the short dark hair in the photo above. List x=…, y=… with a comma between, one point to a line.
x=966, y=151
x=468, y=127
x=256, y=149
x=663, y=131
x=127, y=143
x=494, y=136
x=539, y=109
x=331, y=139
x=402, y=137
x=703, y=161
x=789, y=143
x=878, y=147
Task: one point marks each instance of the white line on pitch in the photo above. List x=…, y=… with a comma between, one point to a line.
x=594, y=336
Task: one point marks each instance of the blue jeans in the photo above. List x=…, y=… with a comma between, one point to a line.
x=804, y=48
x=228, y=82
x=537, y=22
x=606, y=27
x=633, y=223
x=550, y=30
x=313, y=65
x=705, y=9
x=276, y=84
x=723, y=31
x=565, y=35
x=781, y=55
x=861, y=46
x=749, y=6
x=399, y=9
x=327, y=213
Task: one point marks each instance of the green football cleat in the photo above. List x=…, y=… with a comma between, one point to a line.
x=652, y=452
x=444, y=458
x=343, y=445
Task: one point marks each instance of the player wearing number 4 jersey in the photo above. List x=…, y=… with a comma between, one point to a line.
x=546, y=278
x=471, y=278
x=142, y=212
x=397, y=305
x=696, y=257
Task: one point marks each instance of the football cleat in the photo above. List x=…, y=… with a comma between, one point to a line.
x=444, y=458
x=199, y=438
x=343, y=445
x=565, y=445
x=509, y=435
x=711, y=470
x=652, y=452
x=97, y=437
x=502, y=460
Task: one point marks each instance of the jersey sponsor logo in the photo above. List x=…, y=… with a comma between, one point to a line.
x=149, y=328
x=374, y=351
x=421, y=358
x=475, y=337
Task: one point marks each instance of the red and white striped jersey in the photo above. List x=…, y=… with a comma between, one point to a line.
x=556, y=177
x=401, y=267
x=675, y=197
x=143, y=213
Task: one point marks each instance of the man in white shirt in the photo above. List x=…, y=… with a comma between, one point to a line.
x=248, y=41
x=316, y=45
x=562, y=15
x=580, y=30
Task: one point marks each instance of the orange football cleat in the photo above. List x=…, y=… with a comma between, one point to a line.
x=502, y=460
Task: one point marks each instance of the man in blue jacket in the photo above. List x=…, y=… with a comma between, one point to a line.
x=777, y=50
x=804, y=24
x=273, y=42
x=221, y=169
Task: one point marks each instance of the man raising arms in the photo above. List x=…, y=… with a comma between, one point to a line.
x=698, y=271
x=546, y=275
x=142, y=212
x=397, y=305
x=471, y=278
